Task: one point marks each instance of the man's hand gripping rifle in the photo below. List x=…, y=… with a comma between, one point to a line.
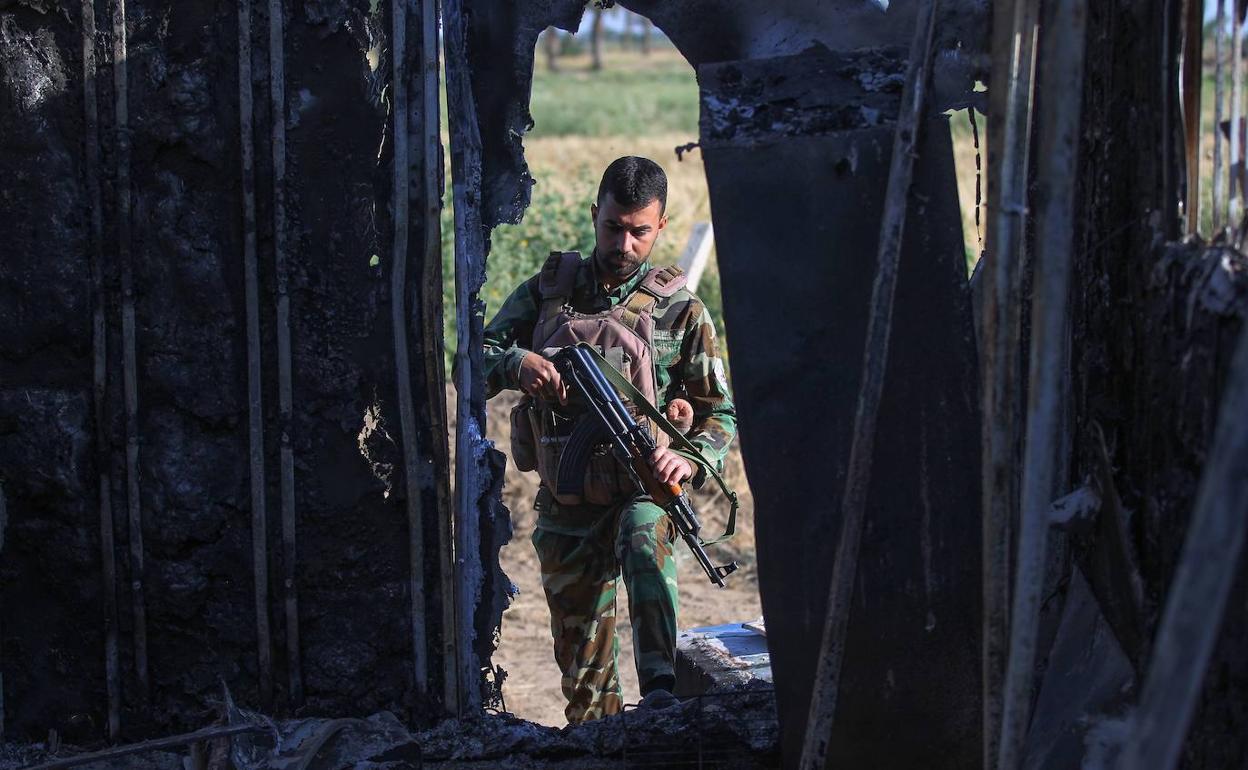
x=633, y=445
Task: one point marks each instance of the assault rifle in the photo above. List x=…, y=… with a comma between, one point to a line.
x=632, y=445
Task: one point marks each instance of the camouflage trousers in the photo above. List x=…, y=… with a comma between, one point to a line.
x=580, y=571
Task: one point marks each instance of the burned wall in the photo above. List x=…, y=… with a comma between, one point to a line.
x=1154, y=326
x=195, y=185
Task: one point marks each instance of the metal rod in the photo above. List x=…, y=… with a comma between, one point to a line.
x=470, y=462
x=875, y=360
x=1192, y=80
x=285, y=386
x=1219, y=88
x=431, y=334
x=1061, y=103
x=402, y=361
x=1197, y=598
x=99, y=378
x=255, y=404
x=129, y=356
x=158, y=744
x=1009, y=118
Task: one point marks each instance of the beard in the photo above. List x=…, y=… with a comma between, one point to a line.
x=620, y=264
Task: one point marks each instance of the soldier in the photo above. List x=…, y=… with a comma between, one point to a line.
x=661, y=337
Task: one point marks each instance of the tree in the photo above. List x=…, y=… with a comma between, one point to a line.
x=646, y=28
x=550, y=44
x=595, y=39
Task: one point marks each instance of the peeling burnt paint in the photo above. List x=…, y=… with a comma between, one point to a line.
x=770, y=102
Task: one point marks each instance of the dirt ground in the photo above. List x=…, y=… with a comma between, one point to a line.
x=531, y=690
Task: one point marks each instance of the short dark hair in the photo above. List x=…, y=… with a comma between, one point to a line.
x=634, y=182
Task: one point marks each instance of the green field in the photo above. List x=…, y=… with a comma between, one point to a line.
x=632, y=95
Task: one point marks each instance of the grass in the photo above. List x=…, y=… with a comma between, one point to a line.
x=964, y=159
x=632, y=96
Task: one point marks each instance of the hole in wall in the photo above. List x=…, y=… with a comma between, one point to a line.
x=641, y=99
x=969, y=128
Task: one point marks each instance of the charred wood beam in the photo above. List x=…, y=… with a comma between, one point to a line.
x=431, y=333
x=1198, y=596
x=130, y=385
x=157, y=744
x=255, y=405
x=402, y=361
x=1192, y=70
x=285, y=386
x=99, y=378
x=875, y=359
x=1168, y=83
x=1061, y=103
x=1013, y=58
x=470, y=461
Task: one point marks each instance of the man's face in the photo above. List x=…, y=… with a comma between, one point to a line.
x=625, y=238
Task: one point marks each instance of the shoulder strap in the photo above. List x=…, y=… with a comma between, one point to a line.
x=558, y=277
x=659, y=283
x=632, y=309
x=685, y=447
x=555, y=285
x=663, y=282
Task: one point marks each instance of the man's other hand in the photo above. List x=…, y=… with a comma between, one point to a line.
x=669, y=467
x=680, y=414
x=540, y=379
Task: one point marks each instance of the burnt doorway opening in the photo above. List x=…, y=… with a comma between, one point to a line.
x=637, y=96
x=796, y=133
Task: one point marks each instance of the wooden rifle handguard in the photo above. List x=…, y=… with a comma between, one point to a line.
x=661, y=492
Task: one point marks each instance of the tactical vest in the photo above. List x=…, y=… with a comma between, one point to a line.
x=624, y=335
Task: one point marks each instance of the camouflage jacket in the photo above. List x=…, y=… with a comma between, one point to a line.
x=685, y=348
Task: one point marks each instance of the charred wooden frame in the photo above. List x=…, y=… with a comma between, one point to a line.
x=130, y=385
x=255, y=403
x=870, y=391
x=1059, y=125
x=99, y=376
x=285, y=386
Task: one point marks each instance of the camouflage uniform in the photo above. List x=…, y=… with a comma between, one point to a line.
x=583, y=548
